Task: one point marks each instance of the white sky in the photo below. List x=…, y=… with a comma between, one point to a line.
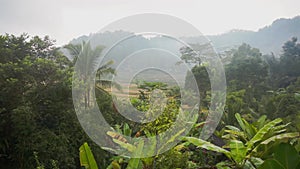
x=64, y=20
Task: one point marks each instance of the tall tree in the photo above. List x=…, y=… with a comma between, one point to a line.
x=290, y=60
x=87, y=59
x=247, y=70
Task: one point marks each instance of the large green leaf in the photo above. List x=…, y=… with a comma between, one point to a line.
x=297, y=96
x=127, y=146
x=298, y=166
x=277, y=130
x=237, y=150
x=262, y=132
x=126, y=130
x=249, y=129
x=256, y=161
x=285, y=157
x=233, y=128
x=261, y=121
x=135, y=163
x=240, y=121
x=171, y=140
x=281, y=127
x=248, y=165
x=150, y=149
x=271, y=164
x=235, y=134
x=207, y=145
x=122, y=142
x=281, y=137
x=87, y=159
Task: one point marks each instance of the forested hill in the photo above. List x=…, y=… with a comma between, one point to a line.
x=268, y=39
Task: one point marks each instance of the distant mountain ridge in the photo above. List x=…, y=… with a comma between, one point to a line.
x=268, y=39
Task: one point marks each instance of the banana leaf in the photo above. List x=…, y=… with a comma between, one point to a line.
x=87, y=159
x=207, y=145
x=261, y=133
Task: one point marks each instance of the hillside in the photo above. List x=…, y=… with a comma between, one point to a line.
x=268, y=39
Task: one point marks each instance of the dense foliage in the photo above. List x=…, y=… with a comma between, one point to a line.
x=39, y=128
x=36, y=109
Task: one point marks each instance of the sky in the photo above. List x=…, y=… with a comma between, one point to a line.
x=64, y=20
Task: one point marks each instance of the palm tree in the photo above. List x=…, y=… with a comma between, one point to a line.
x=86, y=60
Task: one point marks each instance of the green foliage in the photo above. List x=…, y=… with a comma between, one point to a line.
x=38, y=125
x=87, y=159
x=170, y=158
x=39, y=165
x=238, y=150
x=247, y=69
x=206, y=145
x=283, y=103
x=285, y=157
x=234, y=104
x=165, y=120
x=173, y=159
x=135, y=163
x=245, y=144
x=149, y=86
x=37, y=114
x=223, y=165
x=200, y=74
x=290, y=58
x=259, y=136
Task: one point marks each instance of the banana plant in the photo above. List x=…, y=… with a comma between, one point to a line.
x=244, y=145
x=260, y=136
x=137, y=149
